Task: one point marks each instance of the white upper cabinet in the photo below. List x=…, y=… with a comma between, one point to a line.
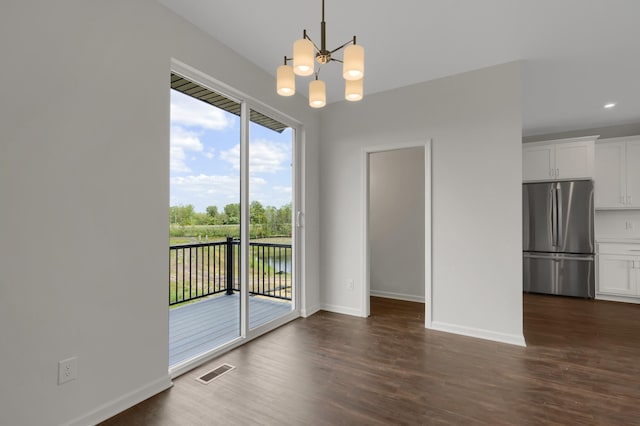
x=633, y=173
x=609, y=179
x=538, y=162
x=561, y=159
x=617, y=173
x=575, y=160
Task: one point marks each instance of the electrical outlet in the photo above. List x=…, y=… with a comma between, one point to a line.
x=349, y=284
x=67, y=370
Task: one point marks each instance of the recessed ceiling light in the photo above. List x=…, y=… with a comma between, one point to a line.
x=610, y=105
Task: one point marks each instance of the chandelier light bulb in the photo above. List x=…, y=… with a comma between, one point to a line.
x=353, y=68
x=303, y=57
x=286, y=81
x=317, y=94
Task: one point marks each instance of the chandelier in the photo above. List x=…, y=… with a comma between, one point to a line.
x=305, y=51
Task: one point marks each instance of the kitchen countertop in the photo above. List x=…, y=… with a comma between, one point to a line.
x=620, y=240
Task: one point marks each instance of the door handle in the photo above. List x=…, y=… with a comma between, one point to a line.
x=553, y=217
x=559, y=216
x=557, y=172
x=299, y=219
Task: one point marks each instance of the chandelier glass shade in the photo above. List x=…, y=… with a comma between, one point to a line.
x=353, y=90
x=305, y=55
x=317, y=94
x=286, y=81
x=353, y=65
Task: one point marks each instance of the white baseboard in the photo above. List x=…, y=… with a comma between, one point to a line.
x=342, y=310
x=120, y=404
x=397, y=296
x=512, y=339
x=306, y=313
x=612, y=298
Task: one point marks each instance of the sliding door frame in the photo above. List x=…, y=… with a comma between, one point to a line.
x=247, y=103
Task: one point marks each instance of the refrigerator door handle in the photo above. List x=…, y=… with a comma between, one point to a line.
x=559, y=217
x=554, y=212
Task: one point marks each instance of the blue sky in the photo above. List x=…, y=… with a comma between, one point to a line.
x=205, y=158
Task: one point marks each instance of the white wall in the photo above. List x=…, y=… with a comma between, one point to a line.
x=474, y=120
x=396, y=223
x=84, y=184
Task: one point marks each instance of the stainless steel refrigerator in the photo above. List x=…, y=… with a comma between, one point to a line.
x=558, y=241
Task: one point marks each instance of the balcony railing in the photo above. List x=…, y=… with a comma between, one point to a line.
x=205, y=269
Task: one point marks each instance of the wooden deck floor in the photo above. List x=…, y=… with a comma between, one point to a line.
x=580, y=368
x=201, y=326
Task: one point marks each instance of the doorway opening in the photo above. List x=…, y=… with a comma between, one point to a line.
x=398, y=229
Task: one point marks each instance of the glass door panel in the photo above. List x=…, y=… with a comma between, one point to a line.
x=204, y=216
x=271, y=227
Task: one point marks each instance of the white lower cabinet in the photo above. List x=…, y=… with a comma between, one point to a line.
x=617, y=274
x=619, y=271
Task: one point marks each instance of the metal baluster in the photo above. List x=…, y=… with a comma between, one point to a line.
x=229, y=266
x=197, y=269
x=190, y=268
x=280, y=271
x=183, y=273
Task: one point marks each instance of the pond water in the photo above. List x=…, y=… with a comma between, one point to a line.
x=280, y=264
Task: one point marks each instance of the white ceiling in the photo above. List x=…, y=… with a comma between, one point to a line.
x=577, y=54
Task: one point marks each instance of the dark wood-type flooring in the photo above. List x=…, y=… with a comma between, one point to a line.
x=581, y=367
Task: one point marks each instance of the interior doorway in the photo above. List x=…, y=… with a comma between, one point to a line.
x=398, y=226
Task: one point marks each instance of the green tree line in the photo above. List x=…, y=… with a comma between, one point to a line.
x=271, y=220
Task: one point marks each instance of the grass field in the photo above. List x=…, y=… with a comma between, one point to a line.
x=215, y=232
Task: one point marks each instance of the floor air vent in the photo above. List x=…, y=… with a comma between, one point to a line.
x=215, y=373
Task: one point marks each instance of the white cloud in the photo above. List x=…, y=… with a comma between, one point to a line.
x=182, y=140
x=282, y=189
x=188, y=111
x=264, y=156
x=255, y=181
x=210, y=154
x=212, y=186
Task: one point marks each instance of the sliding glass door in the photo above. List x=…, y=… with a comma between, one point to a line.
x=231, y=220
